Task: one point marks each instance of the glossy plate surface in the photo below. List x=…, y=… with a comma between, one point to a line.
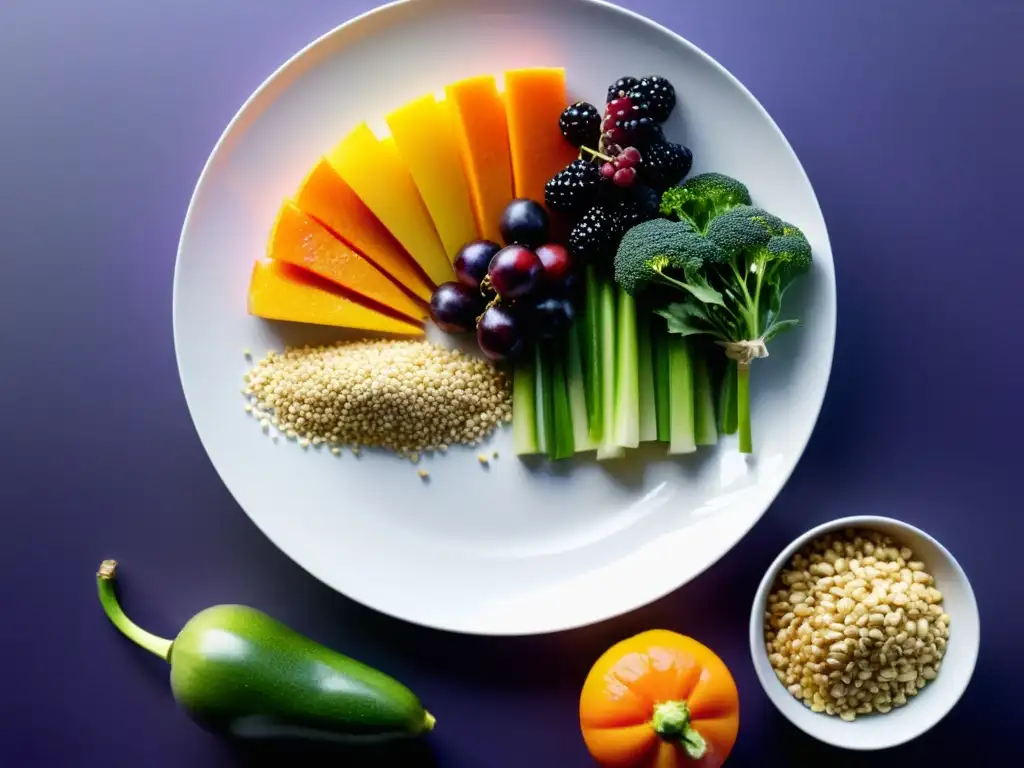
x=517, y=548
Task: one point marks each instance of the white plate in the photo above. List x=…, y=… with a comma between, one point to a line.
x=514, y=549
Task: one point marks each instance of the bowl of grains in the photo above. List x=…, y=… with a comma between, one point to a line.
x=864, y=632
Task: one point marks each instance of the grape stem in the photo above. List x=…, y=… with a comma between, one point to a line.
x=493, y=302
x=597, y=154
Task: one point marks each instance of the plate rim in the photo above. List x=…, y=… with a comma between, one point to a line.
x=765, y=495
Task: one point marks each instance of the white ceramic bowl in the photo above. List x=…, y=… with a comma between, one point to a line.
x=935, y=700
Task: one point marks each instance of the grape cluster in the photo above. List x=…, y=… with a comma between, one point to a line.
x=512, y=294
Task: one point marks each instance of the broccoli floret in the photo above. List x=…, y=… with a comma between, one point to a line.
x=661, y=251
x=763, y=251
x=790, y=253
x=702, y=198
x=743, y=228
x=740, y=301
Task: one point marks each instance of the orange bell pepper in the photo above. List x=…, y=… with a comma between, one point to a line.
x=659, y=700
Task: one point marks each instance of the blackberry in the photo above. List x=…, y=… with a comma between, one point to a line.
x=581, y=124
x=574, y=187
x=640, y=129
x=630, y=215
x=655, y=96
x=597, y=234
x=621, y=87
x=665, y=165
x=638, y=205
x=647, y=200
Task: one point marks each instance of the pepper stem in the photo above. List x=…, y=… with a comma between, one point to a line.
x=105, y=584
x=671, y=722
x=428, y=721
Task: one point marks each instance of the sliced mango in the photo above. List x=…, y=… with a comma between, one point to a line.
x=535, y=99
x=423, y=133
x=328, y=198
x=300, y=240
x=482, y=132
x=282, y=291
x=375, y=170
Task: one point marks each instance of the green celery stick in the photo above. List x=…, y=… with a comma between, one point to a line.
x=705, y=427
x=545, y=415
x=681, y=428
x=590, y=349
x=524, y=411
x=562, y=445
x=608, y=448
x=577, y=394
x=627, y=373
x=645, y=356
x=659, y=345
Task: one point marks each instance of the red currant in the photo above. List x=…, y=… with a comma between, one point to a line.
x=624, y=177
x=630, y=157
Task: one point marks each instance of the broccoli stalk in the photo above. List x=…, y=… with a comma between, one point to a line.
x=727, y=264
x=736, y=297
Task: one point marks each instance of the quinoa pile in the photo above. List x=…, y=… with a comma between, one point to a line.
x=404, y=396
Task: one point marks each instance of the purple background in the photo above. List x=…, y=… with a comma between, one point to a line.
x=908, y=119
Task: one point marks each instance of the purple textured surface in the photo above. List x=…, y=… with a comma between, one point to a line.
x=908, y=117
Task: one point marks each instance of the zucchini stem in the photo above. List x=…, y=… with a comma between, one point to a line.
x=158, y=646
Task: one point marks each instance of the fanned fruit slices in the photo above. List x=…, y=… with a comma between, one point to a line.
x=376, y=223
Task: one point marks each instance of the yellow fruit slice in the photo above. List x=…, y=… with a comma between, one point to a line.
x=375, y=170
x=282, y=291
x=423, y=132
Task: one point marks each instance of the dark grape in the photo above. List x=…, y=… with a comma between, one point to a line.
x=515, y=271
x=557, y=262
x=472, y=260
x=524, y=222
x=498, y=334
x=454, y=307
x=552, y=316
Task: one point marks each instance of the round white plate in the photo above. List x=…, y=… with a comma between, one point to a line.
x=516, y=548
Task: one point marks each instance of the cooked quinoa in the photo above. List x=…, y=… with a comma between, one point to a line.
x=404, y=396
